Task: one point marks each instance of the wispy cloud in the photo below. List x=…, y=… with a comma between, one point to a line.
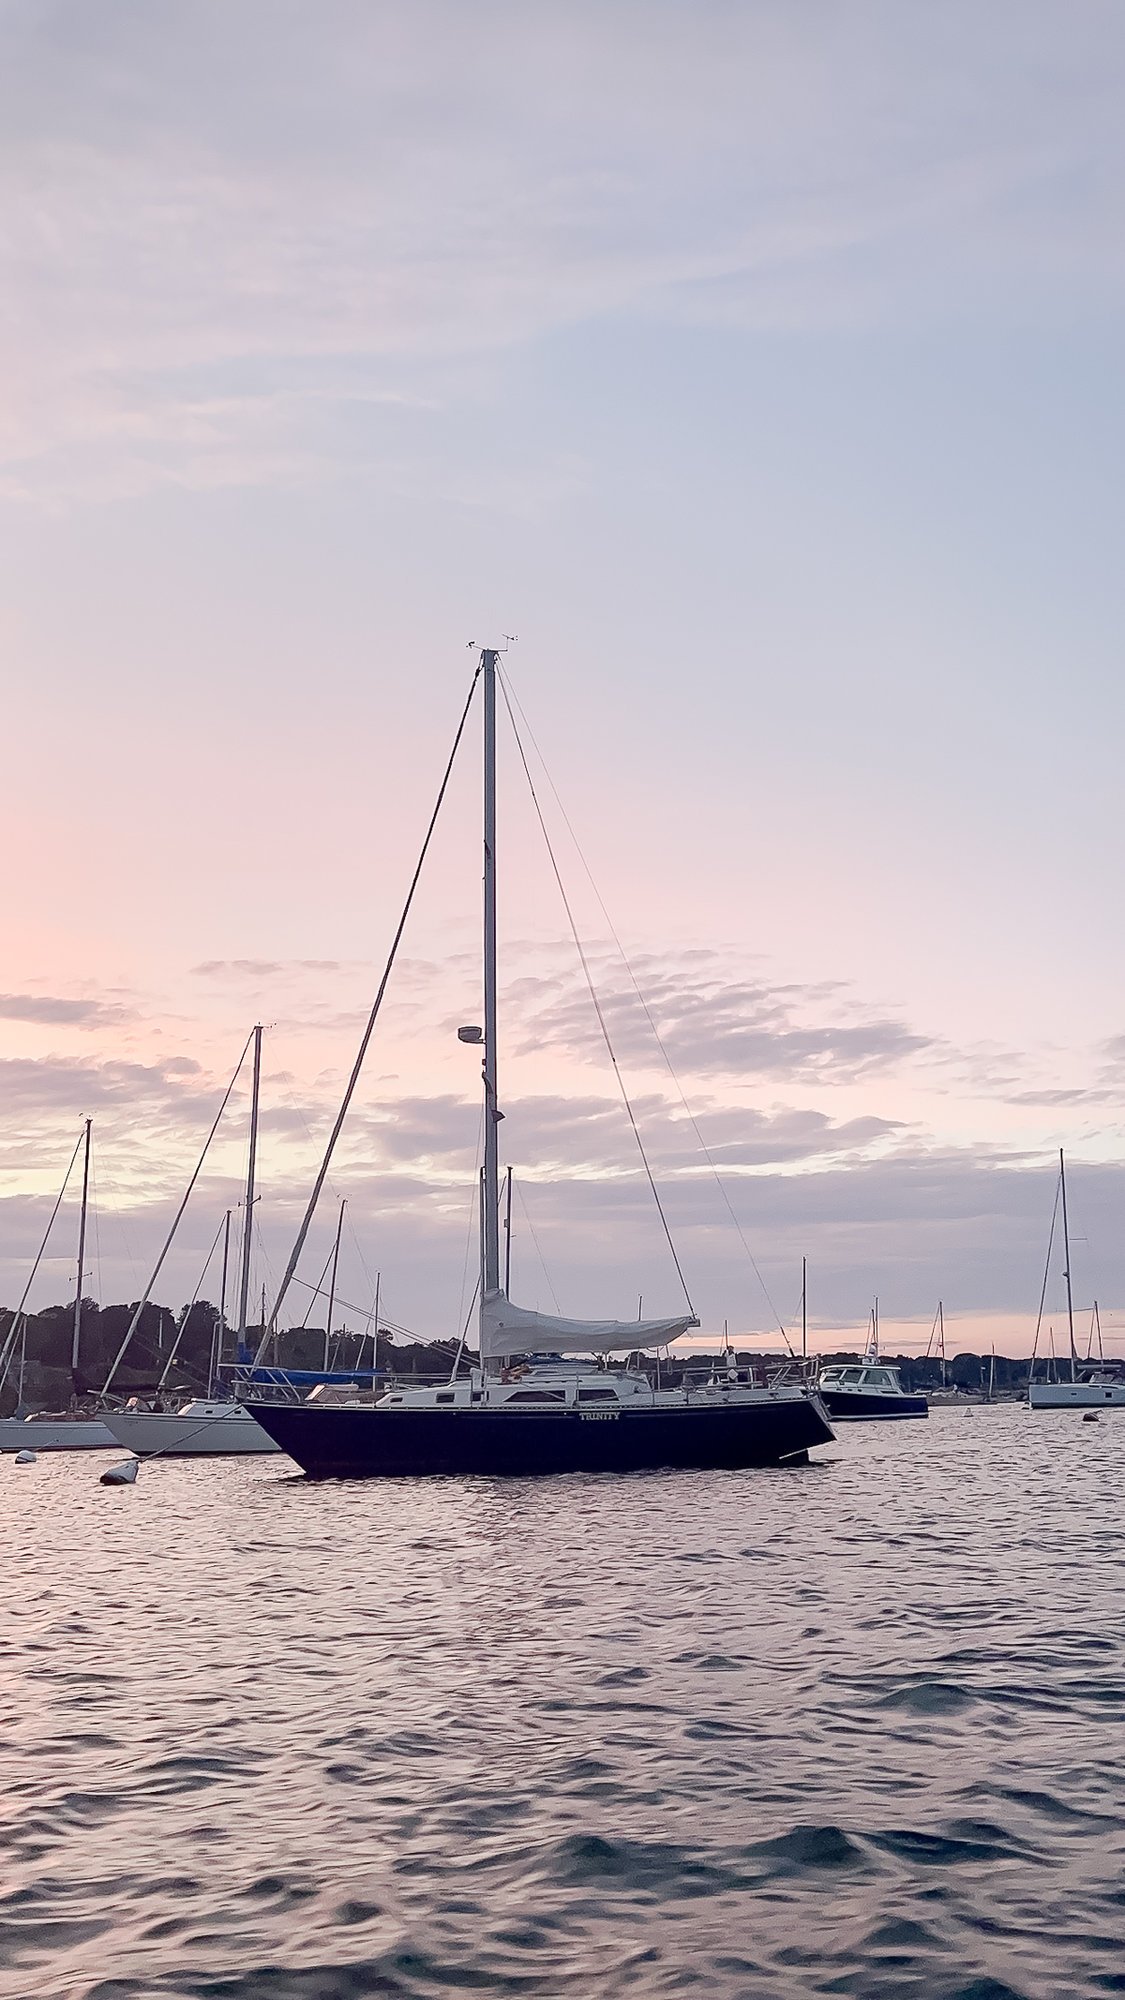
x=714, y=1024
x=55, y=1010
x=209, y=289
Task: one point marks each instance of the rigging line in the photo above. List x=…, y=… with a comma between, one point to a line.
x=594, y=997
x=110, y=1199
x=357, y=1246
x=1047, y=1266
x=182, y=1328
x=705, y=1150
x=142, y=1303
x=318, y=1184
x=703, y=1146
x=473, y=1198
x=16, y=1316
x=526, y=1213
x=315, y=1293
x=95, y=1204
x=349, y=1305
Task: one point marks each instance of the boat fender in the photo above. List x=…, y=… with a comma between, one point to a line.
x=120, y=1475
x=26, y=1457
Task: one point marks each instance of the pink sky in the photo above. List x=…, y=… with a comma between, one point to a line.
x=784, y=431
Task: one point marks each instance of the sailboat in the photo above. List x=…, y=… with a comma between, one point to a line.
x=531, y=1404
x=1093, y=1389
x=207, y=1427
x=64, y=1430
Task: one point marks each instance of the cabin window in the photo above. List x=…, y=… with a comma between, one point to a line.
x=597, y=1395
x=446, y=1398
x=538, y=1396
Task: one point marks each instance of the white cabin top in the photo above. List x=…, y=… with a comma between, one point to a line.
x=540, y=1386
x=861, y=1379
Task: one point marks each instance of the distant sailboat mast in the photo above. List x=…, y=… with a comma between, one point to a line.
x=332, y=1285
x=243, y=1352
x=1066, y=1271
x=76, y=1337
x=219, y=1335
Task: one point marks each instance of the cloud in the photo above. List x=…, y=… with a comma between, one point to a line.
x=244, y=244
x=261, y=968
x=712, y=1024
x=969, y=1225
x=50, y=1086
x=51, y=1010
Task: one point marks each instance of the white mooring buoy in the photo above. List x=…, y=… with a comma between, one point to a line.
x=26, y=1457
x=120, y=1475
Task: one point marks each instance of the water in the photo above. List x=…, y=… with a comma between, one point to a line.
x=856, y=1729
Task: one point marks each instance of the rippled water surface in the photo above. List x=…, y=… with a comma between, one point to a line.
x=854, y=1729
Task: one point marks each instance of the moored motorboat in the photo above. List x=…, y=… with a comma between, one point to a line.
x=850, y=1391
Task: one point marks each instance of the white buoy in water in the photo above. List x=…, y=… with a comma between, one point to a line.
x=26, y=1457
x=120, y=1475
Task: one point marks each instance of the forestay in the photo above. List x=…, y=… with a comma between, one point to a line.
x=508, y=1329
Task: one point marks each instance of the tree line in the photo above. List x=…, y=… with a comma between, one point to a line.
x=189, y=1337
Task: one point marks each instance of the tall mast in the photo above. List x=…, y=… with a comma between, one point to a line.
x=77, y=1334
x=492, y=1112
x=332, y=1285
x=804, y=1309
x=508, y=1234
x=941, y=1339
x=248, y=1219
x=221, y=1323
x=1066, y=1254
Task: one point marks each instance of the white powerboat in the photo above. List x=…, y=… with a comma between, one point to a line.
x=200, y=1429
x=867, y=1389
x=60, y=1433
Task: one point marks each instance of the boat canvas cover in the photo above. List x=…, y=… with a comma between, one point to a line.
x=508, y=1329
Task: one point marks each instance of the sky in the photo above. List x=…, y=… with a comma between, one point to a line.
x=758, y=367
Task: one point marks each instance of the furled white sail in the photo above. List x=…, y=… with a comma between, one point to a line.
x=508, y=1329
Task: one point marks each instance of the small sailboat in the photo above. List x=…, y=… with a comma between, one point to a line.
x=531, y=1404
x=207, y=1427
x=63, y=1430
x=851, y=1391
x=1100, y=1387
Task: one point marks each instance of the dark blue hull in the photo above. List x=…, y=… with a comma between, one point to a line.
x=380, y=1444
x=844, y=1407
